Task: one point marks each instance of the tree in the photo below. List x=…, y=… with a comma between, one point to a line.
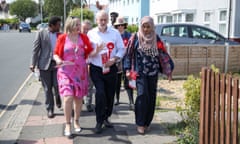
x=24, y=9
x=56, y=7
x=87, y=14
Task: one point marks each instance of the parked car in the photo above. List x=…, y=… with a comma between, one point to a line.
x=190, y=34
x=42, y=26
x=24, y=27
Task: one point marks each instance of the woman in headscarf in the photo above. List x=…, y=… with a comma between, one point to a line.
x=143, y=57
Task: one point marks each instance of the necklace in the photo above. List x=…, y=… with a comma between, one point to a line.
x=74, y=40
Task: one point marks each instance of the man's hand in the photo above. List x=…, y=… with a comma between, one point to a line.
x=100, y=47
x=110, y=62
x=32, y=68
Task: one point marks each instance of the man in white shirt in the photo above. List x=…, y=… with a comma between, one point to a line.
x=103, y=69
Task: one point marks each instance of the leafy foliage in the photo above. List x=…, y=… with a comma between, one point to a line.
x=54, y=7
x=24, y=9
x=9, y=21
x=190, y=134
x=87, y=14
x=132, y=28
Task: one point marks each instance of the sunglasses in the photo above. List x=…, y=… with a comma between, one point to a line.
x=121, y=25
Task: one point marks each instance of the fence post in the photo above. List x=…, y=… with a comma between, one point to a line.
x=202, y=105
x=226, y=57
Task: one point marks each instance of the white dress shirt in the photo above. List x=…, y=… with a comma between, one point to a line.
x=110, y=36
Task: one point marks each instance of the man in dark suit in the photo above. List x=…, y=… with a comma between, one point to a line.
x=113, y=17
x=42, y=59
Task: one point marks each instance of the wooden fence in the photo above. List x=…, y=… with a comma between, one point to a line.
x=189, y=59
x=219, y=108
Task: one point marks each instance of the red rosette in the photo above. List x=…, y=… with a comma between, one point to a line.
x=110, y=47
x=125, y=41
x=160, y=45
x=133, y=75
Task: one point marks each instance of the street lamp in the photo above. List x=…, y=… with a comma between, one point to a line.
x=64, y=10
x=41, y=12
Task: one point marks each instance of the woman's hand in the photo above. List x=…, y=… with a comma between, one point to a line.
x=58, y=60
x=128, y=75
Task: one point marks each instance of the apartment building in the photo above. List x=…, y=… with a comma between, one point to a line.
x=221, y=15
x=131, y=10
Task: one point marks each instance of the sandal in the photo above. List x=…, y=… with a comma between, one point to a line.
x=67, y=131
x=77, y=127
x=140, y=129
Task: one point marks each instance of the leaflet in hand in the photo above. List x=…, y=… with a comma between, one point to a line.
x=105, y=58
x=132, y=81
x=66, y=63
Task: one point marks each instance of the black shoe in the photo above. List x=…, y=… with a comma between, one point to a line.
x=89, y=108
x=131, y=107
x=117, y=103
x=50, y=114
x=58, y=102
x=59, y=106
x=107, y=124
x=98, y=128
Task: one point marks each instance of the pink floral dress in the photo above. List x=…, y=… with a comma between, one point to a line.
x=73, y=77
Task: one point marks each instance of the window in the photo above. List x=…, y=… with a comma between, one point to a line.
x=175, y=31
x=207, y=17
x=169, y=19
x=180, y=17
x=203, y=33
x=223, y=15
x=160, y=19
x=189, y=17
x=222, y=28
x=136, y=19
x=175, y=18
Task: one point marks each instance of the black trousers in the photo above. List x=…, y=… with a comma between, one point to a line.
x=49, y=82
x=118, y=85
x=105, y=85
x=146, y=99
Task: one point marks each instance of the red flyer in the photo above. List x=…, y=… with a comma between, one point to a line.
x=105, y=59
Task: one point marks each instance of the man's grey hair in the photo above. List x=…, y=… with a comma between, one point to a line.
x=87, y=22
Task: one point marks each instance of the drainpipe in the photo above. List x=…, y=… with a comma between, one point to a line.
x=229, y=17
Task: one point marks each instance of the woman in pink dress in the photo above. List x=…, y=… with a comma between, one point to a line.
x=71, y=51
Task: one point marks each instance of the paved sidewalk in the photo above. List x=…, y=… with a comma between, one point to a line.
x=38, y=129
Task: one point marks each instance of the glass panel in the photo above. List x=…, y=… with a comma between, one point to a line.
x=207, y=17
x=223, y=15
x=189, y=17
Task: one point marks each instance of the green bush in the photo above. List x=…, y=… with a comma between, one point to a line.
x=190, y=135
x=132, y=28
